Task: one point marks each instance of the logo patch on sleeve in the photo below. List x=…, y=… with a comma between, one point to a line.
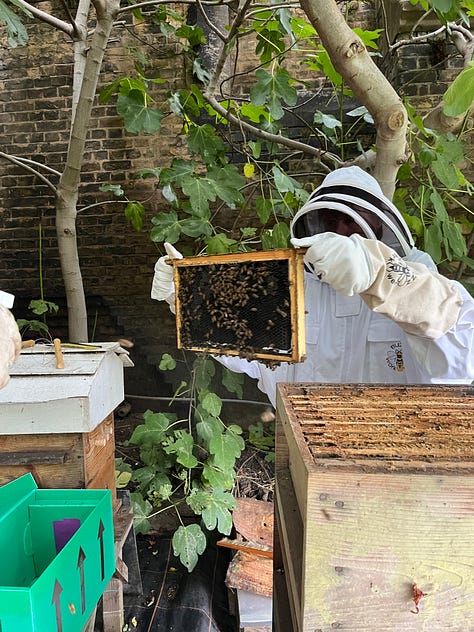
x=398, y=273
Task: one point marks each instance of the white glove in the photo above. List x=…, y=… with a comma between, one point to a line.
x=162, y=288
x=340, y=261
x=10, y=344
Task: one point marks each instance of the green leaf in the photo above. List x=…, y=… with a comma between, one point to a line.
x=116, y=189
x=263, y=208
x=459, y=96
x=432, y=239
x=179, y=170
x=137, y=116
x=152, y=431
x=204, y=141
x=217, y=513
x=270, y=42
x=273, y=89
x=283, y=182
x=368, y=37
x=144, y=475
x=200, y=191
x=182, y=446
x=233, y=381
x=167, y=227
x=195, y=227
x=40, y=307
x=225, y=448
x=219, y=244
x=188, y=543
x=227, y=184
x=16, y=32
x=204, y=370
x=208, y=425
x=212, y=404
x=167, y=362
x=193, y=34
x=217, y=477
x=141, y=511
x=160, y=487
x=454, y=240
x=135, y=212
x=443, y=169
x=276, y=237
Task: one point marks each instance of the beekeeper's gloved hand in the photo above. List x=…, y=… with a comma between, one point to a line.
x=421, y=301
x=340, y=261
x=162, y=288
x=10, y=344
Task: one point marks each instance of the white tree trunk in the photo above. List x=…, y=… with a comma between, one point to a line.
x=354, y=64
x=66, y=207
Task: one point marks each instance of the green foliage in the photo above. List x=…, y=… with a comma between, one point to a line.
x=262, y=436
x=188, y=461
x=16, y=31
x=437, y=219
x=460, y=94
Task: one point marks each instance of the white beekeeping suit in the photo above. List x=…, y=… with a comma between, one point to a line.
x=376, y=309
x=10, y=339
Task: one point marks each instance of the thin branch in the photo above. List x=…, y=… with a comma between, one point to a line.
x=212, y=27
x=33, y=162
x=71, y=19
x=272, y=138
x=20, y=163
x=417, y=38
x=47, y=18
x=86, y=208
x=152, y=3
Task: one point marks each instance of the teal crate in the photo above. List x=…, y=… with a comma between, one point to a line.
x=57, y=555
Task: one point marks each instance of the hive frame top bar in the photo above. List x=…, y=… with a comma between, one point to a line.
x=296, y=302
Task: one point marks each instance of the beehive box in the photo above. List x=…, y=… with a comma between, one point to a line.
x=249, y=304
x=57, y=552
x=57, y=423
x=375, y=508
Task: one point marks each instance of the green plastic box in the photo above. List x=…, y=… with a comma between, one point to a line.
x=56, y=555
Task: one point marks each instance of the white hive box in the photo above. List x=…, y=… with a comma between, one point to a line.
x=58, y=424
x=41, y=398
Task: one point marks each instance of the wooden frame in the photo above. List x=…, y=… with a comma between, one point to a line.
x=294, y=313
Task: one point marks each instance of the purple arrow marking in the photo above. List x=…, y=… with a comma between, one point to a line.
x=80, y=566
x=58, y=589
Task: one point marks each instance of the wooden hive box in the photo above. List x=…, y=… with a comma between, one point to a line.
x=58, y=424
x=374, y=508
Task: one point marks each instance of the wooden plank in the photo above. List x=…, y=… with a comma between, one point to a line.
x=251, y=572
x=67, y=473
x=112, y=606
x=33, y=457
x=291, y=541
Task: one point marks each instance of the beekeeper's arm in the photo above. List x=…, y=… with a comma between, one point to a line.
x=437, y=314
x=10, y=344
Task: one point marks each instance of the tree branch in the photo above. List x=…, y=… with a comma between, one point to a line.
x=322, y=155
x=21, y=162
x=48, y=19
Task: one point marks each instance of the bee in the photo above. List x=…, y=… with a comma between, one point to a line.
x=395, y=358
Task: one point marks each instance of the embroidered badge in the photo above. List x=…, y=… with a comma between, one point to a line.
x=395, y=357
x=398, y=272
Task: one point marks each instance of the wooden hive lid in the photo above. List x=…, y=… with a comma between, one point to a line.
x=382, y=428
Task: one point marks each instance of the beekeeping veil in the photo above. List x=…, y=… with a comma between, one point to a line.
x=353, y=192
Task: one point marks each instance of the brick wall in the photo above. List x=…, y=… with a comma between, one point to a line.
x=116, y=262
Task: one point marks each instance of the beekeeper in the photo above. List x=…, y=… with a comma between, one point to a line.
x=377, y=311
x=10, y=339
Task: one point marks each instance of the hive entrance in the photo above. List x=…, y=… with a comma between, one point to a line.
x=247, y=304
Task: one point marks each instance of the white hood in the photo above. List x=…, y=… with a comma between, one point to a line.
x=344, y=190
